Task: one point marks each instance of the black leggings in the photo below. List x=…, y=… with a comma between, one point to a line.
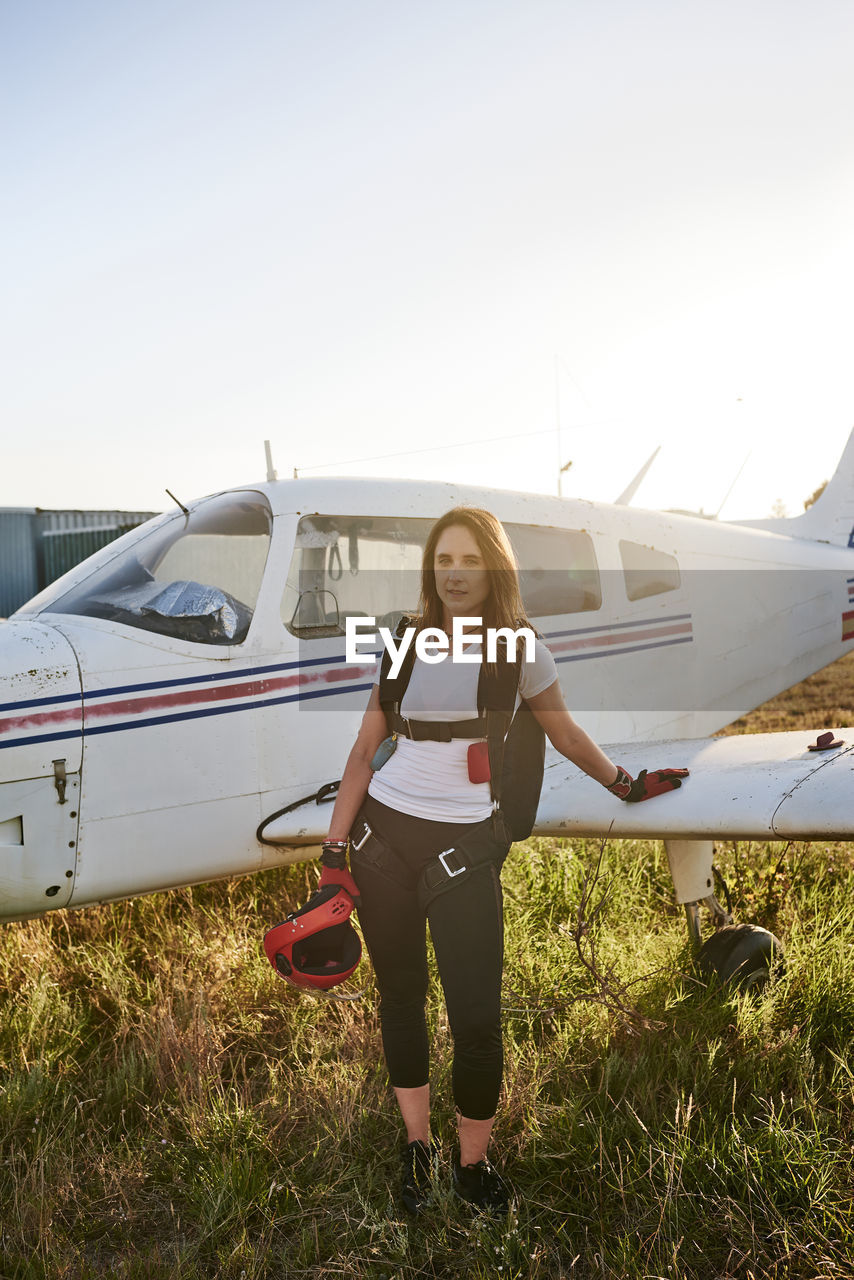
x=466, y=925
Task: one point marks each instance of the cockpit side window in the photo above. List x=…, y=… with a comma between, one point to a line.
x=346, y=566
x=195, y=578
x=352, y=566
x=648, y=572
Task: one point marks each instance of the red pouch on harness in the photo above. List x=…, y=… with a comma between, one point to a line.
x=478, y=761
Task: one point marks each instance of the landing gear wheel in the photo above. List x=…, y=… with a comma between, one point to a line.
x=742, y=955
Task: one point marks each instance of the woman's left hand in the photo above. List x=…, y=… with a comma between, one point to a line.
x=645, y=785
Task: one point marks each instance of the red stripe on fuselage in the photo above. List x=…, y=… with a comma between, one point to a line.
x=39, y=719
x=181, y=698
x=625, y=637
x=223, y=693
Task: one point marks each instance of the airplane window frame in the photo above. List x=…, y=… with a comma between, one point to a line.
x=642, y=573
x=558, y=570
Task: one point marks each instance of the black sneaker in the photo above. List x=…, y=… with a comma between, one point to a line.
x=481, y=1185
x=416, y=1182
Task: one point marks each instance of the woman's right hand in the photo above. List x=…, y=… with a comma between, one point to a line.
x=341, y=877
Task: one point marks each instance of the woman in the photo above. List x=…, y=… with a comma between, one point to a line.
x=415, y=803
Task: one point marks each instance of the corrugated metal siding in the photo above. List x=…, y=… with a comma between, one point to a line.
x=38, y=546
x=90, y=519
x=62, y=549
x=18, y=567
x=67, y=537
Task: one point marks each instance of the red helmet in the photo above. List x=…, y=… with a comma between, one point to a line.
x=316, y=947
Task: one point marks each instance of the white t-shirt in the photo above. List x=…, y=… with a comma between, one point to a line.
x=430, y=779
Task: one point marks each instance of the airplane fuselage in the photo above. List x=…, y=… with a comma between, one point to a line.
x=169, y=693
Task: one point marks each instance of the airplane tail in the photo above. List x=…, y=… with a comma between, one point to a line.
x=831, y=517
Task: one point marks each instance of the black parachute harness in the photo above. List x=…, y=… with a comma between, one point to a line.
x=516, y=755
x=451, y=868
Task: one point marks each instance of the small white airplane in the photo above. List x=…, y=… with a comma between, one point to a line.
x=166, y=700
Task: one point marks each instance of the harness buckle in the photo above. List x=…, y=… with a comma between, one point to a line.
x=365, y=837
x=450, y=874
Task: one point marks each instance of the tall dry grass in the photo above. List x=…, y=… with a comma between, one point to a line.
x=170, y=1109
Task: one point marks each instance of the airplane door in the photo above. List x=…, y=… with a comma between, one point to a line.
x=334, y=566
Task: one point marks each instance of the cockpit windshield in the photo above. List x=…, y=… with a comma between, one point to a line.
x=195, y=577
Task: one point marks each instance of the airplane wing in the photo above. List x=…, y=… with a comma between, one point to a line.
x=756, y=786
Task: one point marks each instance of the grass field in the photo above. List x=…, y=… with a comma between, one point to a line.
x=170, y=1109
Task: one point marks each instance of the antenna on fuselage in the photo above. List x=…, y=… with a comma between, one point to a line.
x=628, y=493
x=186, y=510
x=271, y=474
x=732, y=486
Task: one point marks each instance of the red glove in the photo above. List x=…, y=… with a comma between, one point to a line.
x=645, y=785
x=340, y=876
x=334, y=859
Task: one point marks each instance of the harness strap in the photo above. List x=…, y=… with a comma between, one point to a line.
x=454, y=866
x=484, y=846
x=439, y=875
x=365, y=842
x=435, y=730
x=498, y=723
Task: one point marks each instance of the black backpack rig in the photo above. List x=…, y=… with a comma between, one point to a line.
x=516, y=742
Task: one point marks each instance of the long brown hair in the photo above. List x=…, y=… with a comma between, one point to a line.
x=503, y=606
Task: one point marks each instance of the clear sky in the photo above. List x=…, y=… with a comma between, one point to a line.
x=359, y=228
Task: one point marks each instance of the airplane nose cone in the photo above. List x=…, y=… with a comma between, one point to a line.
x=41, y=747
x=41, y=715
